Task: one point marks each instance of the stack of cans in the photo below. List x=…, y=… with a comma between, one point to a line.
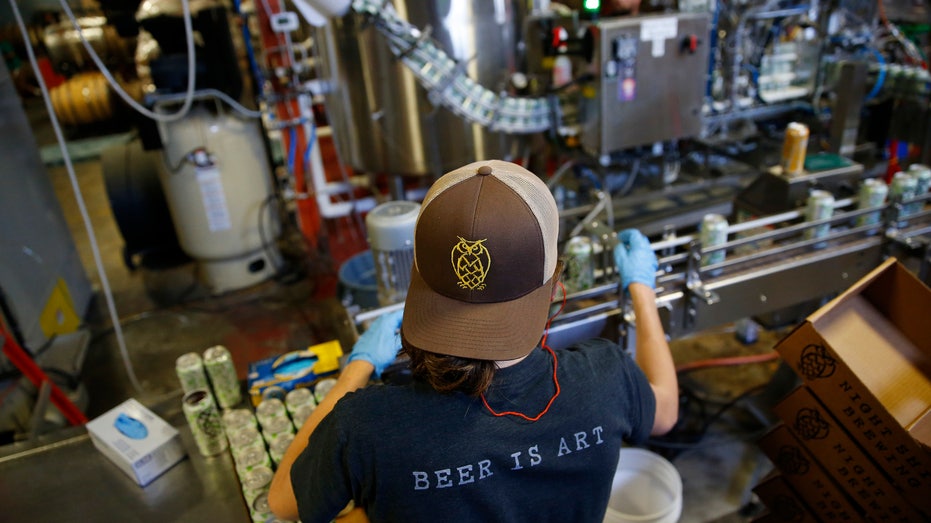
x=256, y=439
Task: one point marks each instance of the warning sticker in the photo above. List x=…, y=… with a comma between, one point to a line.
x=657, y=31
x=211, y=192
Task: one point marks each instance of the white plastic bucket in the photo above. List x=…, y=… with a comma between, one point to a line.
x=646, y=488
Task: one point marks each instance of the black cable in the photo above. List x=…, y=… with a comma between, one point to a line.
x=676, y=440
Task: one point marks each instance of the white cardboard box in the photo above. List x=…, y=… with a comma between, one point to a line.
x=140, y=443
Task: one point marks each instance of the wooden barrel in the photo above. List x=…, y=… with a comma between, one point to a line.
x=83, y=99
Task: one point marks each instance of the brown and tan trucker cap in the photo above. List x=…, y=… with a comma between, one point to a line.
x=484, y=257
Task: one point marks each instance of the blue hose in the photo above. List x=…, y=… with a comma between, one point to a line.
x=292, y=149
x=880, y=78
x=713, y=44
x=250, y=52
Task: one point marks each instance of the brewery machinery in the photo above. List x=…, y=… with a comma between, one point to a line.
x=650, y=121
x=770, y=265
x=665, y=118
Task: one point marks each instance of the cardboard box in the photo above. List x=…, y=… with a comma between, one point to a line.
x=806, y=477
x=845, y=461
x=783, y=503
x=301, y=368
x=867, y=356
x=140, y=443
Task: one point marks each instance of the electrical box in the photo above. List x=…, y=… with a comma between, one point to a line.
x=651, y=81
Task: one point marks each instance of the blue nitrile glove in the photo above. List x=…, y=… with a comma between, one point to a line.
x=380, y=343
x=635, y=260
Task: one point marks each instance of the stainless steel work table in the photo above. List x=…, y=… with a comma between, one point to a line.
x=63, y=477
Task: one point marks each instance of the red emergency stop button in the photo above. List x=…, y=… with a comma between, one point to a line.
x=690, y=44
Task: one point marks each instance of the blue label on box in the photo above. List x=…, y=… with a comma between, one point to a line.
x=130, y=427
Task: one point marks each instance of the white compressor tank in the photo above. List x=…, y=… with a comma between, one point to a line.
x=218, y=185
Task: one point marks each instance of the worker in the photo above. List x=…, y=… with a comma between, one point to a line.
x=495, y=425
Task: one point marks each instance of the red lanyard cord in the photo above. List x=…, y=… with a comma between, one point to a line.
x=555, y=378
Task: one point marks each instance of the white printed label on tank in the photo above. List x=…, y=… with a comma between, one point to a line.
x=657, y=31
x=211, y=191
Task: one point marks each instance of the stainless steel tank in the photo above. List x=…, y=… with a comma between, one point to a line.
x=382, y=118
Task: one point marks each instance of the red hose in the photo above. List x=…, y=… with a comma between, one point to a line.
x=726, y=362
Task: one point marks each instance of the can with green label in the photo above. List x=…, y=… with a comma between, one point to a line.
x=222, y=372
x=255, y=483
x=580, y=264
x=276, y=428
x=277, y=449
x=206, y=425
x=270, y=409
x=713, y=234
x=190, y=370
x=820, y=206
x=904, y=186
x=922, y=175
x=251, y=459
x=873, y=192
x=297, y=398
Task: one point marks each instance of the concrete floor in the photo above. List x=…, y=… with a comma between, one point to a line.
x=166, y=312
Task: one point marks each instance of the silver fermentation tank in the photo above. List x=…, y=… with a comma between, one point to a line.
x=383, y=120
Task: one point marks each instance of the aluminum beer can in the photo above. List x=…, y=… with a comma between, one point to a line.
x=251, y=459
x=297, y=398
x=259, y=509
x=279, y=447
x=820, y=206
x=922, y=175
x=256, y=482
x=872, y=193
x=245, y=439
x=322, y=388
x=206, y=425
x=270, y=409
x=274, y=391
x=222, y=374
x=580, y=264
x=299, y=416
x=794, y=147
x=236, y=419
x=276, y=428
x=190, y=370
x=713, y=234
x=903, y=187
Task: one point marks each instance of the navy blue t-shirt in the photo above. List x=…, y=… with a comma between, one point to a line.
x=408, y=453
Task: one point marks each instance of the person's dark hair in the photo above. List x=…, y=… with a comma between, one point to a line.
x=449, y=373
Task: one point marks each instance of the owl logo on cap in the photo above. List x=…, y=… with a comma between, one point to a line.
x=471, y=261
